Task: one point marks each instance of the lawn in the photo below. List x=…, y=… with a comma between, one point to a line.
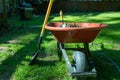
x=19, y=44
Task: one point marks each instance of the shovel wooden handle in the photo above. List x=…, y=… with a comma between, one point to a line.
x=47, y=16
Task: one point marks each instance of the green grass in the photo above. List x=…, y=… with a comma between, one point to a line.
x=18, y=46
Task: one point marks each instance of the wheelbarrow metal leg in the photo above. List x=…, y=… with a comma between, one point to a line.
x=87, y=51
x=59, y=52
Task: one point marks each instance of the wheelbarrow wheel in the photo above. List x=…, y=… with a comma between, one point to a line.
x=79, y=63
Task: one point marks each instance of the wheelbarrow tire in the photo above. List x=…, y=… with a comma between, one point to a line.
x=79, y=62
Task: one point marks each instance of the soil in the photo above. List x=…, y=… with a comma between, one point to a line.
x=72, y=25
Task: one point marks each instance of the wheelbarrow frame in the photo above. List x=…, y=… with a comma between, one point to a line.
x=62, y=52
x=81, y=56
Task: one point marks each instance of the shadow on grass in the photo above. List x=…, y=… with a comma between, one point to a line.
x=10, y=64
x=45, y=62
x=105, y=69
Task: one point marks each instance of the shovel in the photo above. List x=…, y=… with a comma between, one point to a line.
x=42, y=32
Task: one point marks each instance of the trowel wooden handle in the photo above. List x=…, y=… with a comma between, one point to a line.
x=61, y=15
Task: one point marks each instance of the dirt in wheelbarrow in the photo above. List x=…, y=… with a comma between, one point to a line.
x=72, y=25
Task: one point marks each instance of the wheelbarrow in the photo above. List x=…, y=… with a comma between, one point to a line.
x=82, y=64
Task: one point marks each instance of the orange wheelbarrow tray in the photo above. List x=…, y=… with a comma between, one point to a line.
x=84, y=34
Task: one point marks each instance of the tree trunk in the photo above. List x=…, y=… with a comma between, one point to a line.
x=5, y=22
